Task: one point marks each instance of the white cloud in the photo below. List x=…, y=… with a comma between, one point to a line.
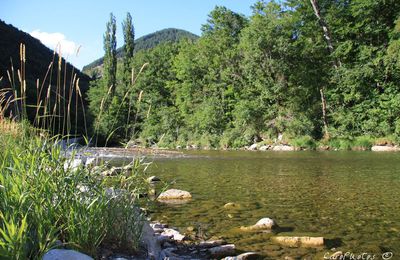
x=54, y=40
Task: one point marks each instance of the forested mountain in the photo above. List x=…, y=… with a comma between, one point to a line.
x=147, y=42
x=43, y=68
x=309, y=71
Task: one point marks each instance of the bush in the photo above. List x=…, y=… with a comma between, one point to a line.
x=304, y=142
x=363, y=142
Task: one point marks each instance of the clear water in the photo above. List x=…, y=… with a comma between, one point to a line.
x=350, y=198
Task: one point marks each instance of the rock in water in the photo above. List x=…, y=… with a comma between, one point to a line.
x=283, y=148
x=253, y=147
x=384, y=148
x=221, y=251
x=262, y=224
x=174, y=194
x=299, y=241
x=173, y=234
x=63, y=254
x=231, y=205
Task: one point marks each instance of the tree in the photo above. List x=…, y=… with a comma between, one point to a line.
x=129, y=46
x=110, y=59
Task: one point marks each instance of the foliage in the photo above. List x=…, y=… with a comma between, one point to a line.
x=249, y=79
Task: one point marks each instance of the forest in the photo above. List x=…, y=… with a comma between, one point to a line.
x=311, y=72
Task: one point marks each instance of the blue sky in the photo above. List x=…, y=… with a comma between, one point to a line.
x=82, y=22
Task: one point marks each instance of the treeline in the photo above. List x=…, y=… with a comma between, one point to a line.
x=310, y=70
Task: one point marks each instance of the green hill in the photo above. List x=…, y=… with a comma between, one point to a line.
x=38, y=59
x=147, y=42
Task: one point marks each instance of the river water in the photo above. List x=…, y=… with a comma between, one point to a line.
x=350, y=198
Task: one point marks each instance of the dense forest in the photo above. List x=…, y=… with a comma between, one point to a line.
x=145, y=42
x=308, y=70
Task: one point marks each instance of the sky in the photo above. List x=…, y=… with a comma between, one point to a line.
x=82, y=23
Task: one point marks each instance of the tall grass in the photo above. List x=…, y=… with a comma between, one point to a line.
x=41, y=201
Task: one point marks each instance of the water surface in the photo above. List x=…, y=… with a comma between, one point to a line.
x=350, y=198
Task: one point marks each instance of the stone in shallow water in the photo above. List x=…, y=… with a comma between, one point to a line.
x=175, y=235
x=153, y=179
x=283, y=148
x=384, y=148
x=63, y=254
x=262, y=224
x=231, y=205
x=221, y=251
x=299, y=241
x=174, y=194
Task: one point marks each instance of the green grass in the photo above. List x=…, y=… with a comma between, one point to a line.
x=41, y=203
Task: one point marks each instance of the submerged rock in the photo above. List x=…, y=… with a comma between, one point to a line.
x=299, y=241
x=63, y=254
x=231, y=205
x=384, y=148
x=174, y=194
x=262, y=224
x=221, y=251
x=211, y=243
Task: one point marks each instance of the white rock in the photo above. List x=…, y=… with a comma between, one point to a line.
x=283, y=148
x=173, y=234
x=91, y=162
x=384, y=148
x=73, y=164
x=220, y=251
x=299, y=241
x=253, y=147
x=174, y=194
x=63, y=254
x=264, y=148
x=262, y=224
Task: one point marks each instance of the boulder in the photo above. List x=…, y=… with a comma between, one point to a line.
x=283, y=148
x=174, y=194
x=264, y=148
x=211, y=243
x=221, y=251
x=173, y=234
x=149, y=240
x=299, y=241
x=262, y=224
x=253, y=147
x=90, y=162
x=63, y=254
x=384, y=148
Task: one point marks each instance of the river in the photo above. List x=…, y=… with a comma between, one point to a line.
x=352, y=199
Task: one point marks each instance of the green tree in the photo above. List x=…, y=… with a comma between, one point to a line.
x=110, y=59
x=129, y=46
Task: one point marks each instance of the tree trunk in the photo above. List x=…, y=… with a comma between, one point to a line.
x=323, y=101
x=336, y=64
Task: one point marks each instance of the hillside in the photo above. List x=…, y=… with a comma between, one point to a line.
x=38, y=59
x=147, y=42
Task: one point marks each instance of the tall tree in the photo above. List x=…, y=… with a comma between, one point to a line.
x=110, y=58
x=129, y=39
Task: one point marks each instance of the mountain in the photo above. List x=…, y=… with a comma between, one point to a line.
x=38, y=60
x=147, y=42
